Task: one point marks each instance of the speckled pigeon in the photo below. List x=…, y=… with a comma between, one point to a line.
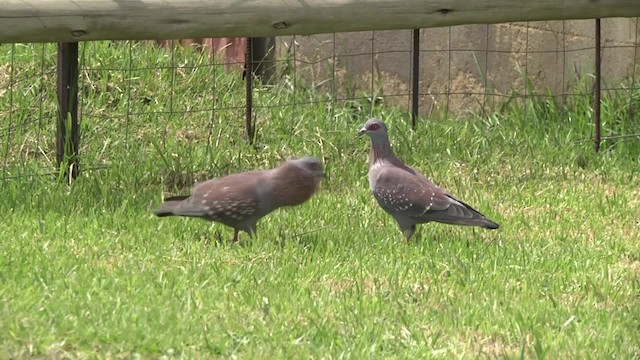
x=406, y=194
x=240, y=200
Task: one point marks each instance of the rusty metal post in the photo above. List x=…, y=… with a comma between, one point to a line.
x=248, y=65
x=596, y=91
x=263, y=57
x=415, y=77
x=68, y=132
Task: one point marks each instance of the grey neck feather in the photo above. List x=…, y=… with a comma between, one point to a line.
x=381, y=150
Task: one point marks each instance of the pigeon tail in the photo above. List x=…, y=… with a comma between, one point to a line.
x=460, y=216
x=169, y=206
x=479, y=218
x=488, y=224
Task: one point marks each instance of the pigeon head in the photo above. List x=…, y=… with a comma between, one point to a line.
x=380, y=146
x=375, y=128
x=311, y=165
x=295, y=181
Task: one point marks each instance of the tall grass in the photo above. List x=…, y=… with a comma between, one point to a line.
x=87, y=271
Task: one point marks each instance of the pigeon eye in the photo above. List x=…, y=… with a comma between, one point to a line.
x=374, y=126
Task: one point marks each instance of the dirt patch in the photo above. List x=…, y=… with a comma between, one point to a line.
x=4, y=78
x=631, y=265
x=635, y=267
x=368, y=286
x=493, y=346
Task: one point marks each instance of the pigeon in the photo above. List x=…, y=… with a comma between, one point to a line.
x=407, y=195
x=240, y=200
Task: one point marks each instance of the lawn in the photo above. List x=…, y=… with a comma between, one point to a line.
x=87, y=271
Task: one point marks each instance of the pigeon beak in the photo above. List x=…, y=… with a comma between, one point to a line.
x=362, y=132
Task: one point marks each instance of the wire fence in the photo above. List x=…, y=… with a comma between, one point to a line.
x=128, y=87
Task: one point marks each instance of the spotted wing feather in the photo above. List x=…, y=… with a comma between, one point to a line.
x=410, y=194
x=229, y=200
x=400, y=192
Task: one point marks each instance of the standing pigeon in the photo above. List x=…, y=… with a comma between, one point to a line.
x=240, y=200
x=406, y=194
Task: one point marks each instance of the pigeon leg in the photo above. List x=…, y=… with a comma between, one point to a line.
x=408, y=232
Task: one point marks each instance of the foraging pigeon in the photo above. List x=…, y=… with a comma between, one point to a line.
x=406, y=194
x=240, y=200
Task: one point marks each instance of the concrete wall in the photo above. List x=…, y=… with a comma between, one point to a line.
x=457, y=61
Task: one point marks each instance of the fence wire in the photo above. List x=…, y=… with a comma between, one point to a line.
x=129, y=89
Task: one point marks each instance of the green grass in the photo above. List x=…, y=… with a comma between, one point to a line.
x=87, y=271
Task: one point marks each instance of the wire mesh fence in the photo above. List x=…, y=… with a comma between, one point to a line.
x=129, y=89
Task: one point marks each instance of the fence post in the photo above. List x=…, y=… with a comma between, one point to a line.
x=597, y=91
x=249, y=73
x=263, y=55
x=415, y=77
x=68, y=132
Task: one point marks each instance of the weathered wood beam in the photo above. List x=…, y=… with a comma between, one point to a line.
x=71, y=20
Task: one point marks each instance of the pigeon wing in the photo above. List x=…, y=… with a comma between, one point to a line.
x=229, y=199
x=412, y=195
